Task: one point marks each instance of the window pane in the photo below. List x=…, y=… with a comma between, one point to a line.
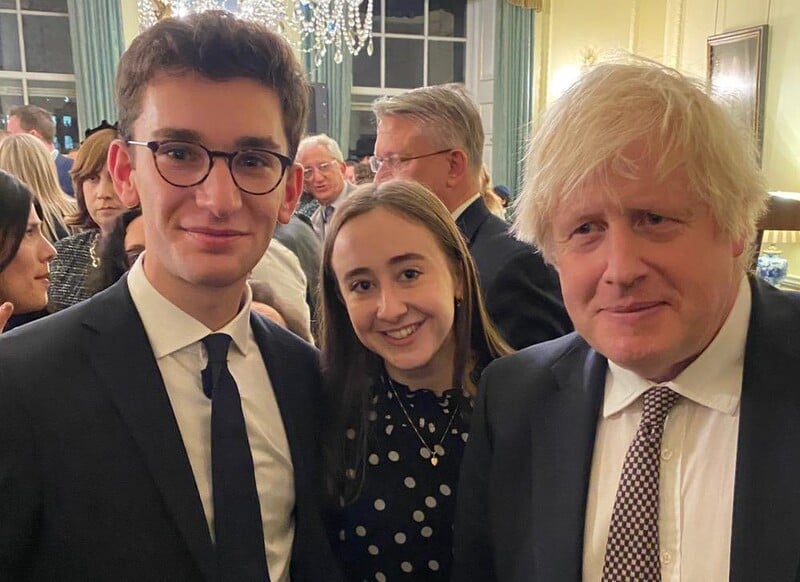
x=404, y=63
x=376, y=13
x=446, y=62
x=45, y=5
x=362, y=134
x=9, y=43
x=59, y=99
x=367, y=69
x=447, y=18
x=47, y=44
x=8, y=4
x=10, y=97
x=405, y=16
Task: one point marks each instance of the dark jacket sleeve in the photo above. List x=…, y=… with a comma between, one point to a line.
x=472, y=549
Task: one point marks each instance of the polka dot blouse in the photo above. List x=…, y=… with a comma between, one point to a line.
x=401, y=525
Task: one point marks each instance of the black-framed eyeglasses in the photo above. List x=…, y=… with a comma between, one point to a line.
x=184, y=164
x=375, y=163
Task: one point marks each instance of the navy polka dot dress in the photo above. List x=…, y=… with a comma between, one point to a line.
x=401, y=525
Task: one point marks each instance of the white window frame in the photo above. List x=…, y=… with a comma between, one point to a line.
x=24, y=76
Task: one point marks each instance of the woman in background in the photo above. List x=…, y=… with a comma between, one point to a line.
x=404, y=339
x=25, y=157
x=25, y=255
x=98, y=209
x=118, y=250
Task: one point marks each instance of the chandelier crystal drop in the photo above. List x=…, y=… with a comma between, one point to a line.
x=311, y=26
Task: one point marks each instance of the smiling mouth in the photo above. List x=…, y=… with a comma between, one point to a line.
x=403, y=332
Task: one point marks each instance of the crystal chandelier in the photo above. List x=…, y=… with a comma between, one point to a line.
x=311, y=26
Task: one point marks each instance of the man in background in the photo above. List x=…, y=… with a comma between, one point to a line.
x=39, y=123
x=323, y=177
x=434, y=135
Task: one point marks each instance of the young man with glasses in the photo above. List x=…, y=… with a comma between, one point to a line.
x=323, y=177
x=434, y=135
x=159, y=431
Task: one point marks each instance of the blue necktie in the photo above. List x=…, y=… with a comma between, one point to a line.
x=238, y=534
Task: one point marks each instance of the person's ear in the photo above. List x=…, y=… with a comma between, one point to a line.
x=292, y=192
x=120, y=166
x=459, y=165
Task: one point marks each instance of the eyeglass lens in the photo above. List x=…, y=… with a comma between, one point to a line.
x=187, y=164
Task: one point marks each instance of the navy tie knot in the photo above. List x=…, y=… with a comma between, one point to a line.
x=327, y=214
x=217, y=345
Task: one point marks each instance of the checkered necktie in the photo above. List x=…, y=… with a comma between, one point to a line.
x=632, y=547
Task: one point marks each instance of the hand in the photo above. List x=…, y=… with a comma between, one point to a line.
x=6, y=310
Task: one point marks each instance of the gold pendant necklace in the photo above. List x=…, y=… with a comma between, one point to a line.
x=434, y=459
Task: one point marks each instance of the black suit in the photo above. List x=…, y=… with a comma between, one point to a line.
x=525, y=475
x=522, y=293
x=95, y=483
x=64, y=165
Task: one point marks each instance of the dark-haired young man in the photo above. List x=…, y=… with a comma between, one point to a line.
x=159, y=431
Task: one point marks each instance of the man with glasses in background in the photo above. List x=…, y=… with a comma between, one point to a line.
x=323, y=177
x=159, y=430
x=434, y=135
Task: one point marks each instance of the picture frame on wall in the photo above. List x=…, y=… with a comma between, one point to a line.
x=736, y=65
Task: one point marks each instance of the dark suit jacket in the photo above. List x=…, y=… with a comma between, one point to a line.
x=525, y=474
x=64, y=165
x=95, y=483
x=522, y=293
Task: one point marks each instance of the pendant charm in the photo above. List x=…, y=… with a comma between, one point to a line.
x=434, y=460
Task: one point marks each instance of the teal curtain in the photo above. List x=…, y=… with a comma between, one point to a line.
x=513, y=90
x=339, y=79
x=97, y=44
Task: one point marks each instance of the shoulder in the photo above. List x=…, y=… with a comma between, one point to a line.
x=536, y=359
x=80, y=240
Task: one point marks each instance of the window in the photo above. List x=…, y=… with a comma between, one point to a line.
x=36, y=64
x=416, y=43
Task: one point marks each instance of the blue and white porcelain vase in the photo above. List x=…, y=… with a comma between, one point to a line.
x=772, y=267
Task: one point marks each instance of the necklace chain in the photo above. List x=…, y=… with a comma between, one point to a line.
x=432, y=450
x=93, y=251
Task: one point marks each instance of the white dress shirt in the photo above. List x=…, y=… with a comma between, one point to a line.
x=175, y=338
x=464, y=205
x=698, y=457
x=317, y=217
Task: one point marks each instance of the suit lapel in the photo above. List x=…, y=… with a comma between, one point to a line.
x=766, y=506
x=120, y=353
x=562, y=438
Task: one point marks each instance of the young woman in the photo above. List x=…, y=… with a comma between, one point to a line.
x=25, y=255
x=404, y=339
x=26, y=158
x=98, y=209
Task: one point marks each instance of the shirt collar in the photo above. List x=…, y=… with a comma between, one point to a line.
x=460, y=210
x=713, y=380
x=169, y=328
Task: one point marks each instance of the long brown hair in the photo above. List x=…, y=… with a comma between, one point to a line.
x=349, y=368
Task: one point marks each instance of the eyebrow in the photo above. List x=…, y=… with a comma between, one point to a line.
x=245, y=142
x=393, y=261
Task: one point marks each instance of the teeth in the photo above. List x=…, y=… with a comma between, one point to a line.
x=402, y=333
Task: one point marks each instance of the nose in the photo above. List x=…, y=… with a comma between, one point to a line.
x=106, y=187
x=384, y=174
x=624, y=265
x=219, y=194
x=391, y=306
x=47, y=252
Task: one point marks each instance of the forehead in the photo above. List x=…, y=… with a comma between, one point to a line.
x=219, y=112
x=617, y=194
x=375, y=237
x=398, y=131
x=315, y=152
